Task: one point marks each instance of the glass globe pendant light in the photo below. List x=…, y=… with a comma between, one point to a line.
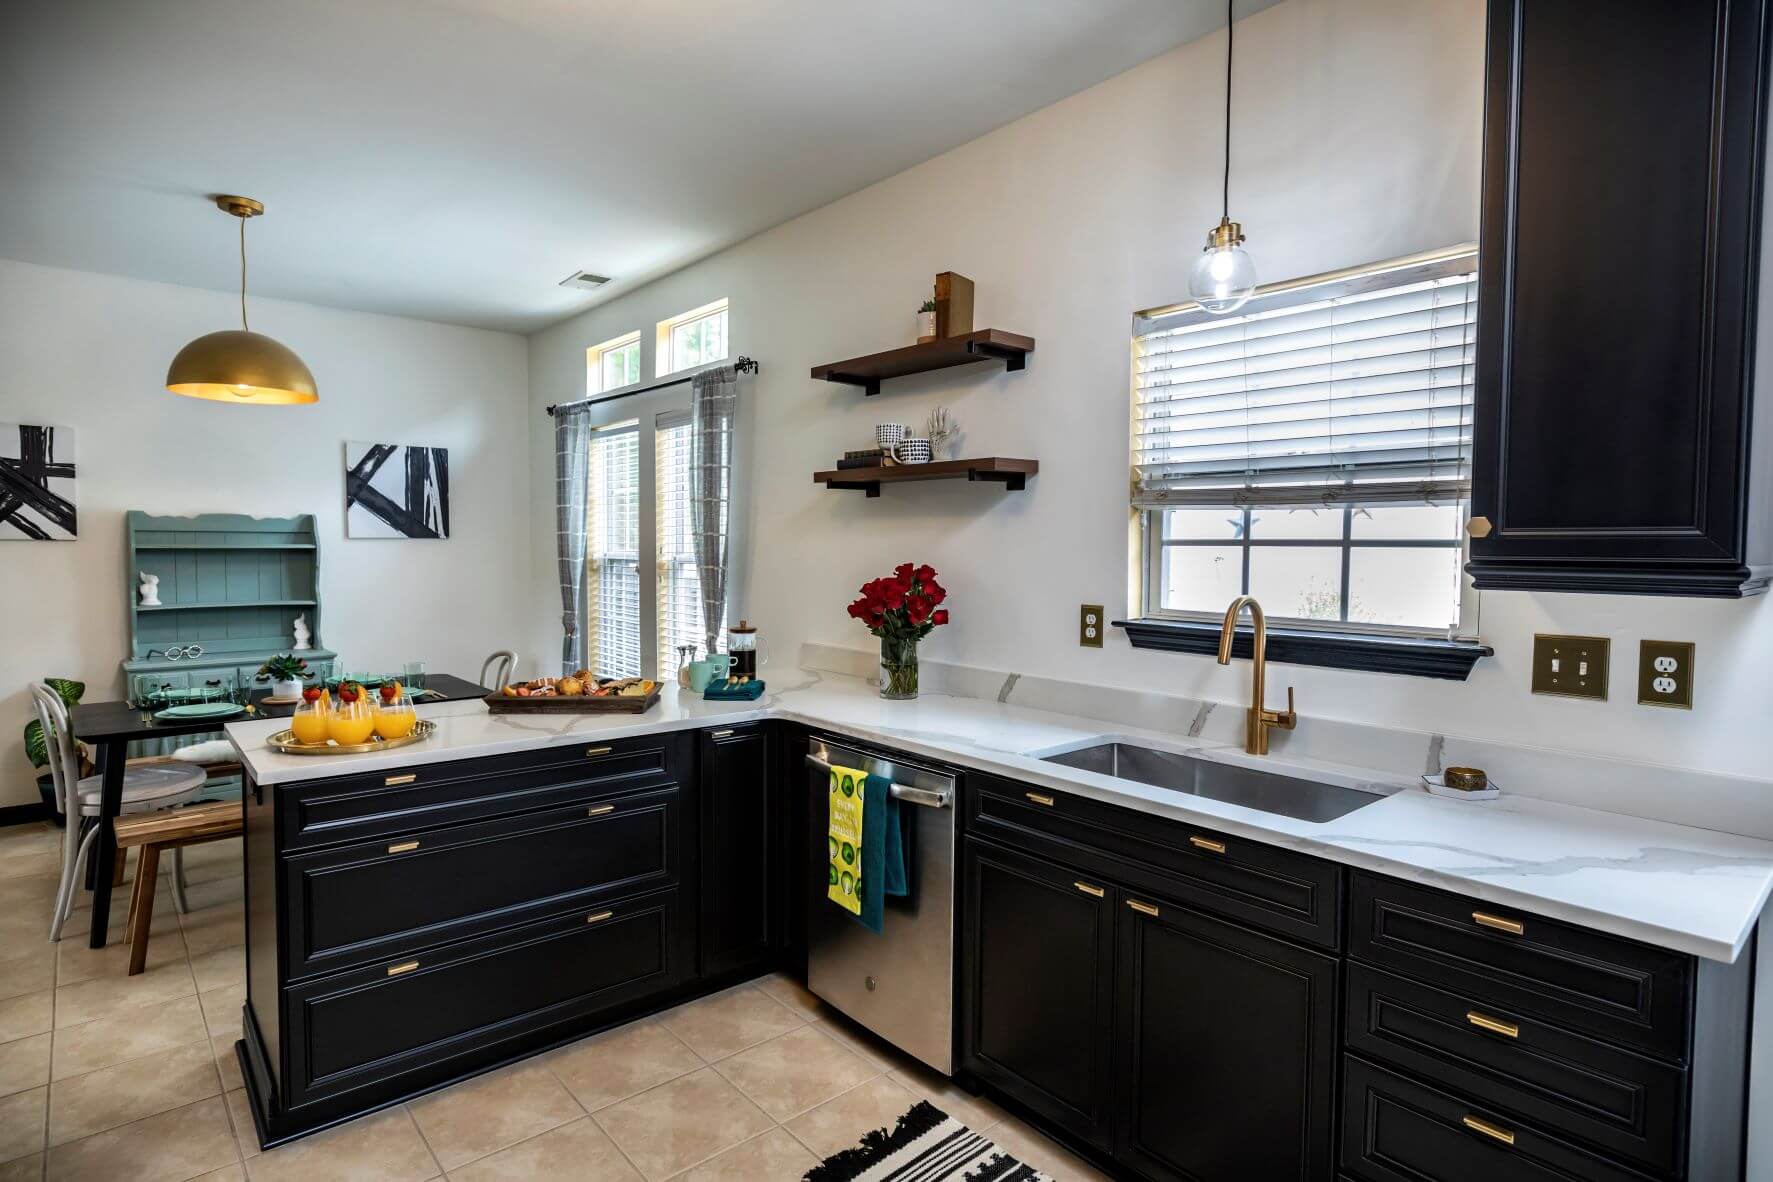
x=238, y=365
x=1223, y=278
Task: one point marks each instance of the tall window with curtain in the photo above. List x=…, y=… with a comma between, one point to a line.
x=613, y=553
x=1312, y=450
x=680, y=589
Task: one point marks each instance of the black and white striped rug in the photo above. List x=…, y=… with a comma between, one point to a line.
x=927, y=1145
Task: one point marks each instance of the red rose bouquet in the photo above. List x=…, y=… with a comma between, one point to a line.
x=901, y=609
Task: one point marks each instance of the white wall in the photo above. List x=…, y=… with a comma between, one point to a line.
x=1358, y=125
x=90, y=352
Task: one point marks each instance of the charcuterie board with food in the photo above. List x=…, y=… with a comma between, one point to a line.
x=581, y=693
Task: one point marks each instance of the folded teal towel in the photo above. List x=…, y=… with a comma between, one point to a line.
x=883, y=852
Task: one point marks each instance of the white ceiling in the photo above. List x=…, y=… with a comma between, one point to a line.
x=455, y=159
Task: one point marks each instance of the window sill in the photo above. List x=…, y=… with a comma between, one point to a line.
x=1450, y=660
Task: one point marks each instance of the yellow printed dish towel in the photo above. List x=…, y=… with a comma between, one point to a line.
x=843, y=837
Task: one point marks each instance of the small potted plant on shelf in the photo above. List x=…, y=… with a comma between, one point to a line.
x=926, y=322
x=901, y=609
x=286, y=673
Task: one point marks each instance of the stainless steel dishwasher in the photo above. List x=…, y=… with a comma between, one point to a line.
x=899, y=984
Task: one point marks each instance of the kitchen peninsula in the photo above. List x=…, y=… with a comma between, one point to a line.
x=518, y=881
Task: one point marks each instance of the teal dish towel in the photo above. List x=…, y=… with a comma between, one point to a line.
x=883, y=853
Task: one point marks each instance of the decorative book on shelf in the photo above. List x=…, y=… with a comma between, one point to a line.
x=229, y=584
x=985, y=344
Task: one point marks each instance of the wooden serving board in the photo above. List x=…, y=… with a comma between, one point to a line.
x=578, y=704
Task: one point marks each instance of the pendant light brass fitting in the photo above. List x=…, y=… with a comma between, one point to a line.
x=1226, y=234
x=240, y=207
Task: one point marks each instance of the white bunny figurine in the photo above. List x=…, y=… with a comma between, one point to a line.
x=301, y=632
x=150, y=589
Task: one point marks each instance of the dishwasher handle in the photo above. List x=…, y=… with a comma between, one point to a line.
x=933, y=798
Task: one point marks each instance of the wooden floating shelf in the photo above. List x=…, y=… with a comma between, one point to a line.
x=1012, y=474
x=986, y=344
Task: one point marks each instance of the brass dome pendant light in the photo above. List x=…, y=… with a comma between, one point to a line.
x=1223, y=277
x=238, y=365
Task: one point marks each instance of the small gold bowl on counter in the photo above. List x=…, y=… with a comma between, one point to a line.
x=1466, y=779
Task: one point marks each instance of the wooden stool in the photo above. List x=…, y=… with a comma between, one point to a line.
x=167, y=830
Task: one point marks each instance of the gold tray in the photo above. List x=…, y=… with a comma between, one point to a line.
x=285, y=742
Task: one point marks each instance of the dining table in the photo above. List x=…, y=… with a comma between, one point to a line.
x=110, y=727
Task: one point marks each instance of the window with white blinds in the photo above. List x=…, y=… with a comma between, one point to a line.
x=614, y=552
x=1350, y=390
x=1312, y=450
x=680, y=587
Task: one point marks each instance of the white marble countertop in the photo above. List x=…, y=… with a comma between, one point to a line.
x=1692, y=890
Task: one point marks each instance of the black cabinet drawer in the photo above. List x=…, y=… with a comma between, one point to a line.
x=1616, y=989
x=412, y=890
x=1397, y=1130
x=417, y=1017
x=1290, y=894
x=1614, y=1099
x=398, y=799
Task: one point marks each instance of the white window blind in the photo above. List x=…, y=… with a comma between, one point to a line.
x=614, y=553
x=1350, y=390
x=680, y=587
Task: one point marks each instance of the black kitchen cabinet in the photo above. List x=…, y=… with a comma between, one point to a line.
x=1039, y=966
x=1226, y=1049
x=741, y=851
x=1615, y=447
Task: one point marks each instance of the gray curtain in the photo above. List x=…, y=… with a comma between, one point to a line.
x=572, y=464
x=714, y=405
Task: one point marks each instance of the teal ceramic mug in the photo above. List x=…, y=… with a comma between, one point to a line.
x=707, y=669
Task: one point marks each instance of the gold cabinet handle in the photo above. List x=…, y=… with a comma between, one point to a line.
x=1494, y=1132
x=1513, y=927
x=1141, y=908
x=403, y=847
x=599, y=917
x=725, y=734
x=406, y=779
x=599, y=809
x=394, y=970
x=1493, y=1025
x=1207, y=843
x=591, y=751
x=1087, y=889
x=1045, y=802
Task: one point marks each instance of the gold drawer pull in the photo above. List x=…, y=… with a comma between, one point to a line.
x=600, y=809
x=1141, y=908
x=599, y=917
x=1513, y=927
x=1087, y=889
x=1494, y=1132
x=403, y=847
x=725, y=734
x=591, y=751
x=1207, y=843
x=394, y=970
x=406, y=779
x=1494, y=1026
x=1045, y=802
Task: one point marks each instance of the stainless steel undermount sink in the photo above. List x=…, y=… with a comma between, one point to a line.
x=1268, y=792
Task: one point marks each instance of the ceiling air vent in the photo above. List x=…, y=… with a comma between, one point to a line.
x=584, y=279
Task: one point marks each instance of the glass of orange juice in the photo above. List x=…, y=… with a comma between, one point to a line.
x=309, y=722
x=353, y=720
x=395, y=716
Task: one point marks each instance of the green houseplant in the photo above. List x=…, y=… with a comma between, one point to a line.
x=286, y=672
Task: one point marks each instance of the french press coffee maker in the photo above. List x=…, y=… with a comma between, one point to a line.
x=742, y=643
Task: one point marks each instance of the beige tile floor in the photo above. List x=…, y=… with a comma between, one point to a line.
x=104, y=1076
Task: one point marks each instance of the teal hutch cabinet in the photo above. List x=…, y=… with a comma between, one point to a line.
x=229, y=584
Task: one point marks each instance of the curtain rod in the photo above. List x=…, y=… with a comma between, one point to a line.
x=742, y=365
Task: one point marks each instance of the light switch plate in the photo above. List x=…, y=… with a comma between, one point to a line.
x=1665, y=673
x=1089, y=625
x=1571, y=666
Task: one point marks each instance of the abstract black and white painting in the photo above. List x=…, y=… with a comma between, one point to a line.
x=396, y=491
x=37, y=483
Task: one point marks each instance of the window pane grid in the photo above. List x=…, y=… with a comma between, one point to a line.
x=680, y=587
x=614, y=529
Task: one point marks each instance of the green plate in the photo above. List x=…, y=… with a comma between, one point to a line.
x=199, y=710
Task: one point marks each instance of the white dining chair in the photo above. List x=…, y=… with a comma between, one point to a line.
x=502, y=665
x=145, y=789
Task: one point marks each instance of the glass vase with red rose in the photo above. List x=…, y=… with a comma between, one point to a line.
x=901, y=609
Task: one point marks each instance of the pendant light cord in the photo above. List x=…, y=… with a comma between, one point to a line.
x=1229, y=35
x=243, y=326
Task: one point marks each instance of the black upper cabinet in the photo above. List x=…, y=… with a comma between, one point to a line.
x=741, y=844
x=1614, y=442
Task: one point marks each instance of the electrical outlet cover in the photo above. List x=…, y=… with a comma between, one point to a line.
x=1571, y=666
x=1089, y=625
x=1665, y=673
